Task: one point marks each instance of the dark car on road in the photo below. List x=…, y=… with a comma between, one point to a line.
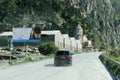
x=63, y=57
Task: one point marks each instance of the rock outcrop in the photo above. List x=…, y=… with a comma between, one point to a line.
x=102, y=17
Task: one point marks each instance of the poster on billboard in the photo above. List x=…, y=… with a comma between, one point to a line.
x=26, y=35
x=35, y=34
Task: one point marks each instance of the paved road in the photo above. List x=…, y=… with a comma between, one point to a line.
x=85, y=67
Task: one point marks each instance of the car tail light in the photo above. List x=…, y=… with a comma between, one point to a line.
x=56, y=56
x=68, y=57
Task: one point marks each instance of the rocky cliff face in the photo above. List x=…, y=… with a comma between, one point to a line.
x=97, y=17
x=101, y=17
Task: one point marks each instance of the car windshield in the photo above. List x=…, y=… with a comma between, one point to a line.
x=63, y=53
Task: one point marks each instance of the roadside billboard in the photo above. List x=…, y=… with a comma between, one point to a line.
x=26, y=35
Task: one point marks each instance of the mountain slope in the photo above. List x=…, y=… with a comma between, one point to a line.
x=95, y=16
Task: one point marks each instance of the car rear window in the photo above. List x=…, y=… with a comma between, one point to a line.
x=63, y=53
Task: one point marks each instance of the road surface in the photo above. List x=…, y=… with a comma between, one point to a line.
x=85, y=67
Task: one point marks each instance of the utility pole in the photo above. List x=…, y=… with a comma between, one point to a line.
x=106, y=27
x=106, y=39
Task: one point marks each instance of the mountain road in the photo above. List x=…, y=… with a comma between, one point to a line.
x=86, y=66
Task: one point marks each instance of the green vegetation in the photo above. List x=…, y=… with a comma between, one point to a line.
x=26, y=60
x=15, y=13
x=29, y=59
x=112, y=60
x=47, y=48
x=116, y=5
x=62, y=15
x=114, y=54
x=85, y=44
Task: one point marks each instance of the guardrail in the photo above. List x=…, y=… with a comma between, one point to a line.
x=112, y=64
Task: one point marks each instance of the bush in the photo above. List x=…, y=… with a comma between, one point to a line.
x=85, y=44
x=47, y=48
x=115, y=53
x=28, y=59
